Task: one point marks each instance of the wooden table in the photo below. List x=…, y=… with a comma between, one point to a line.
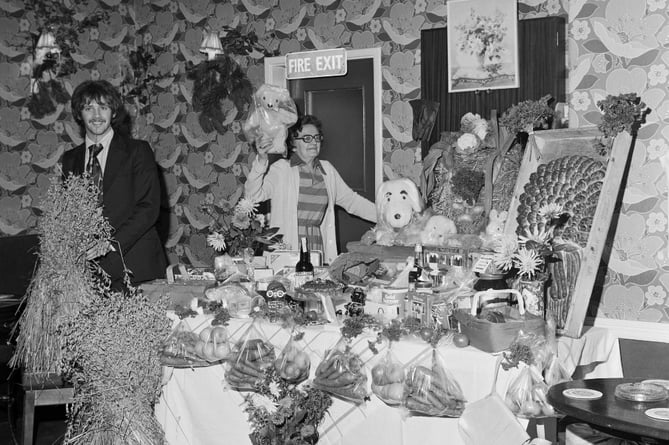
x=609, y=411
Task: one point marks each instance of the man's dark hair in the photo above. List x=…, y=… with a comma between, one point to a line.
x=98, y=91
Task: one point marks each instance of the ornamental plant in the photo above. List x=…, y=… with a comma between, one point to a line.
x=620, y=113
x=528, y=254
x=527, y=115
x=242, y=228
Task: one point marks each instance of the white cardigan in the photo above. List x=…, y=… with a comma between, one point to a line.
x=281, y=184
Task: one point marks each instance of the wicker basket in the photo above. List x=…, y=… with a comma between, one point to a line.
x=496, y=337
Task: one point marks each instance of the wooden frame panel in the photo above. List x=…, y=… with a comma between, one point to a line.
x=545, y=146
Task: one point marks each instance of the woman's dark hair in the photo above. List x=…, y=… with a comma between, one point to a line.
x=307, y=119
x=98, y=91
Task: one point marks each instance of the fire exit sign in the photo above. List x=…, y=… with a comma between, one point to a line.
x=321, y=63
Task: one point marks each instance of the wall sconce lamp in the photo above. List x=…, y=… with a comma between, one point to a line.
x=46, y=44
x=211, y=45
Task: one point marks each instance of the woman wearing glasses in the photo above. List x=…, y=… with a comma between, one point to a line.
x=304, y=189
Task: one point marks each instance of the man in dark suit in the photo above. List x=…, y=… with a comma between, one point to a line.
x=129, y=182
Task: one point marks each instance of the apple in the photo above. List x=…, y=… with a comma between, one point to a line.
x=205, y=334
x=222, y=350
x=218, y=335
x=460, y=340
x=208, y=352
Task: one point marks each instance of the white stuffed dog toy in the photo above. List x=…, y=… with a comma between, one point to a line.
x=397, y=201
x=272, y=112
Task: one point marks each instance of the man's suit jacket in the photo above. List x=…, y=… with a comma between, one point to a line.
x=131, y=203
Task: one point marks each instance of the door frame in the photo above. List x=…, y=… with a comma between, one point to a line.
x=275, y=74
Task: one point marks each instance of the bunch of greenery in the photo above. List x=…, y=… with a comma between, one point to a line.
x=60, y=18
x=281, y=413
x=112, y=358
x=620, y=113
x=467, y=184
x=140, y=80
x=527, y=115
x=64, y=282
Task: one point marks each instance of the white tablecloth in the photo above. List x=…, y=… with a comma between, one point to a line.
x=196, y=408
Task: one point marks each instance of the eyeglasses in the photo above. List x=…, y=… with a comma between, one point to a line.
x=308, y=138
x=275, y=293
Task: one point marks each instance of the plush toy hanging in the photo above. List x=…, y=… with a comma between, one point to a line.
x=272, y=112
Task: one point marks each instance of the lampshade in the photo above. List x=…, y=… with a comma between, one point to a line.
x=211, y=45
x=46, y=44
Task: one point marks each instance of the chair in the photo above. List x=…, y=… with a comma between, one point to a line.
x=42, y=390
x=643, y=359
x=16, y=271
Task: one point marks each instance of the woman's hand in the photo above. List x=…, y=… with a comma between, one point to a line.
x=263, y=145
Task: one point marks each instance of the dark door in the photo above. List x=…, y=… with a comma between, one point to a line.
x=345, y=106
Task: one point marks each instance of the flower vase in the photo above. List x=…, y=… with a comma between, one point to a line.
x=533, y=293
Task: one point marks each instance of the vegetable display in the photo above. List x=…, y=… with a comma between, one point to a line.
x=293, y=363
x=185, y=348
x=388, y=380
x=342, y=374
x=429, y=390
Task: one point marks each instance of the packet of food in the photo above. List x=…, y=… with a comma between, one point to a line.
x=388, y=377
x=293, y=363
x=431, y=390
x=526, y=395
x=342, y=374
x=251, y=355
x=180, y=348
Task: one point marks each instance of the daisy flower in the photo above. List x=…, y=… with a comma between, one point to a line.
x=505, y=248
x=217, y=241
x=538, y=236
x=550, y=211
x=246, y=207
x=527, y=261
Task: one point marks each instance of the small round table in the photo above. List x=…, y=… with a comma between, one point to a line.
x=609, y=411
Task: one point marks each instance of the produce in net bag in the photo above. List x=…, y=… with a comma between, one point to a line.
x=252, y=355
x=526, y=396
x=272, y=112
x=388, y=379
x=293, y=363
x=185, y=348
x=430, y=390
x=342, y=374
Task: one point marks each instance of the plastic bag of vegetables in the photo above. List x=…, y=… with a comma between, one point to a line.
x=185, y=348
x=293, y=363
x=388, y=377
x=251, y=356
x=430, y=390
x=526, y=396
x=342, y=373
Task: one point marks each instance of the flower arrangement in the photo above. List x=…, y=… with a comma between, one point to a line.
x=281, y=413
x=620, y=113
x=527, y=115
x=241, y=229
x=528, y=254
x=482, y=36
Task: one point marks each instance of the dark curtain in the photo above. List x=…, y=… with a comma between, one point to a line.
x=542, y=65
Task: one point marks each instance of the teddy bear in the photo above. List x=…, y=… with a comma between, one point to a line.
x=271, y=113
x=398, y=202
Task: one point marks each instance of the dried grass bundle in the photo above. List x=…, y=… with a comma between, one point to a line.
x=64, y=281
x=112, y=351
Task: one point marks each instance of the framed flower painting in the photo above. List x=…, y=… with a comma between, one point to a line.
x=482, y=45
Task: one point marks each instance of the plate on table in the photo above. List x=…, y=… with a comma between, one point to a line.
x=582, y=393
x=659, y=382
x=658, y=413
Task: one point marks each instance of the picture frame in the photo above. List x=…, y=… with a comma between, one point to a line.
x=482, y=45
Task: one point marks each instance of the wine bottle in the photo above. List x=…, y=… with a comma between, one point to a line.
x=417, y=269
x=304, y=270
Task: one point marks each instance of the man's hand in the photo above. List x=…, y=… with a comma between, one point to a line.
x=98, y=249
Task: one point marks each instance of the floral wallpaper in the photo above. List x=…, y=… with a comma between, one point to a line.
x=613, y=46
